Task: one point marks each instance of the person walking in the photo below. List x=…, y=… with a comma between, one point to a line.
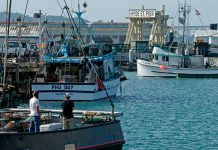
x=68, y=107
x=34, y=113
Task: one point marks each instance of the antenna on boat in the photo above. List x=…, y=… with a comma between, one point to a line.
x=79, y=14
x=77, y=32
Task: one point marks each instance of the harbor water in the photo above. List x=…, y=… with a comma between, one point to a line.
x=164, y=113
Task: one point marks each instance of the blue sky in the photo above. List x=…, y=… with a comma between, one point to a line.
x=117, y=10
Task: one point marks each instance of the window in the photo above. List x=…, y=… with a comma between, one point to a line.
x=165, y=58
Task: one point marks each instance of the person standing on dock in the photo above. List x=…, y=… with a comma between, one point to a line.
x=68, y=107
x=34, y=113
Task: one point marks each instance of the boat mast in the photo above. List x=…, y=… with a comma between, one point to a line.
x=81, y=22
x=8, y=18
x=182, y=20
x=188, y=31
x=184, y=10
x=79, y=14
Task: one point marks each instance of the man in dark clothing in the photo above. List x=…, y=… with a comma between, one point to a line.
x=68, y=107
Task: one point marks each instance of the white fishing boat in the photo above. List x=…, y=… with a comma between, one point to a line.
x=81, y=77
x=81, y=69
x=178, y=60
x=168, y=64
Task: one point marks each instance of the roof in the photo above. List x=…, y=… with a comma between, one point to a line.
x=62, y=57
x=29, y=31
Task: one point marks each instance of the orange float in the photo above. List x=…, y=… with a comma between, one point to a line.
x=162, y=67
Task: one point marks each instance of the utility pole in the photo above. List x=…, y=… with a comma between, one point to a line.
x=38, y=15
x=19, y=36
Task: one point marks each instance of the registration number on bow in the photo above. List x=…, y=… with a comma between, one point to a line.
x=61, y=87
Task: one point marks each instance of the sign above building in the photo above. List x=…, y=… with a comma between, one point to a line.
x=142, y=13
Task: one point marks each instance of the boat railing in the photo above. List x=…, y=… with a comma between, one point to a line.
x=59, y=111
x=117, y=114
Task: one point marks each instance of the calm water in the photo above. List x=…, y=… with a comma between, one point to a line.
x=166, y=114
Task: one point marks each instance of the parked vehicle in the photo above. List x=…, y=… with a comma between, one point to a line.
x=13, y=49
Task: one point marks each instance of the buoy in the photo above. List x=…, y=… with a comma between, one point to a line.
x=162, y=67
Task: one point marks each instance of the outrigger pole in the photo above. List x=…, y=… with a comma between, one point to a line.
x=76, y=30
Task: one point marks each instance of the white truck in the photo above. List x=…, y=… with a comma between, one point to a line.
x=13, y=49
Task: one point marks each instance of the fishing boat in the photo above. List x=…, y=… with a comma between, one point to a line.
x=168, y=64
x=77, y=75
x=78, y=68
x=92, y=130
x=178, y=59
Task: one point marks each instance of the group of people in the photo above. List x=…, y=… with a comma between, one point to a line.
x=67, y=111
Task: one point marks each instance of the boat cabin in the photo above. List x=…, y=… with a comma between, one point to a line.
x=68, y=66
x=163, y=56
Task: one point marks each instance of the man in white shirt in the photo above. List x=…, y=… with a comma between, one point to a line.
x=34, y=113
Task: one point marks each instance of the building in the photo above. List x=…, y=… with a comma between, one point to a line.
x=54, y=30
x=30, y=31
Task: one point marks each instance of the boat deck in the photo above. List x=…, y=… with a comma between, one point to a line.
x=16, y=120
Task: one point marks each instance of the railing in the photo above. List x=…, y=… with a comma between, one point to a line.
x=17, y=120
x=76, y=112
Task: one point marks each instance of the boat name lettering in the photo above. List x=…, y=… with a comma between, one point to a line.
x=68, y=87
x=56, y=87
x=59, y=87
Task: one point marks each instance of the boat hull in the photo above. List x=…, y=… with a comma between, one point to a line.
x=78, y=91
x=149, y=69
x=105, y=136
